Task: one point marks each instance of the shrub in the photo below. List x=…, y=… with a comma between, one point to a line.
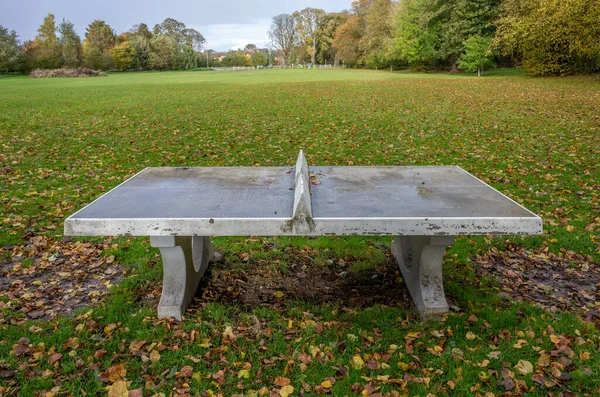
x=64, y=72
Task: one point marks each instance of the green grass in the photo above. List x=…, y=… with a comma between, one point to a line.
x=65, y=141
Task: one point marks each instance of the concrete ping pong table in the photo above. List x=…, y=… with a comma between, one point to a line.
x=424, y=208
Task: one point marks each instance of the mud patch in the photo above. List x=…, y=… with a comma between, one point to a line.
x=45, y=278
x=563, y=281
x=266, y=283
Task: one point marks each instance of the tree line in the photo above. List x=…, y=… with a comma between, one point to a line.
x=545, y=37
x=169, y=45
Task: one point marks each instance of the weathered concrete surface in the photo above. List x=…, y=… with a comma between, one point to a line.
x=302, y=220
x=185, y=259
x=239, y=201
x=420, y=260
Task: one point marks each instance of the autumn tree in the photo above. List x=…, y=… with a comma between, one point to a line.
x=47, y=53
x=100, y=35
x=346, y=41
x=553, y=37
x=326, y=52
x=123, y=55
x=309, y=23
x=376, y=40
x=70, y=45
x=9, y=50
x=283, y=35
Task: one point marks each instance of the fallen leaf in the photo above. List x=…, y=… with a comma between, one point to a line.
x=357, y=362
x=524, y=367
x=154, y=356
x=119, y=389
x=286, y=391
x=54, y=358
x=244, y=373
x=280, y=381
x=116, y=372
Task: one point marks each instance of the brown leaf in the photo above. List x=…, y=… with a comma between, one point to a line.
x=5, y=374
x=54, y=358
x=136, y=393
x=116, y=372
x=279, y=381
x=137, y=345
x=20, y=349
x=186, y=371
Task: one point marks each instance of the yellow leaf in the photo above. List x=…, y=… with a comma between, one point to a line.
x=520, y=343
x=357, y=362
x=524, y=367
x=116, y=372
x=228, y=333
x=197, y=376
x=278, y=294
x=244, y=373
x=154, y=356
x=555, y=339
x=286, y=391
x=205, y=343
x=326, y=384
x=471, y=336
x=119, y=389
x=403, y=366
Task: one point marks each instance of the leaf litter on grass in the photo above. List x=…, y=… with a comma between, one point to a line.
x=564, y=281
x=44, y=278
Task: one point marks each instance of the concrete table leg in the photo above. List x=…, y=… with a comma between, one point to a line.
x=185, y=260
x=420, y=260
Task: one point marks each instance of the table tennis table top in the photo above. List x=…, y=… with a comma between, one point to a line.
x=419, y=200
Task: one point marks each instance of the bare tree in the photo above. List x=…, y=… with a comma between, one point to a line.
x=283, y=35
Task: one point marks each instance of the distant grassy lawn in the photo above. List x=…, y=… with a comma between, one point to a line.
x=63, y=142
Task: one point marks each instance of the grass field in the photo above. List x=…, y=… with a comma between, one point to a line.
x=66, y=141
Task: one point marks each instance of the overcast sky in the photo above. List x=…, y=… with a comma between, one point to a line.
x=226, y=24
